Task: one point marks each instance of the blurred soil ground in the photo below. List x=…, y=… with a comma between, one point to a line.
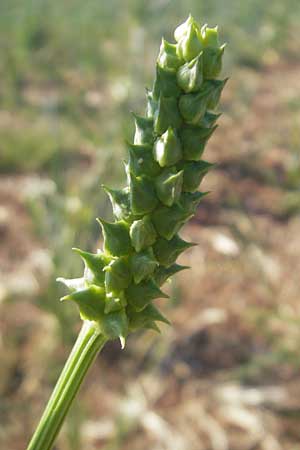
x=226, y=375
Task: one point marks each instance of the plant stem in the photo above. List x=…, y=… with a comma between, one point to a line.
x=88, y=344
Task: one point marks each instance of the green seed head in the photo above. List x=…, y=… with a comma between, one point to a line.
x=164, y=171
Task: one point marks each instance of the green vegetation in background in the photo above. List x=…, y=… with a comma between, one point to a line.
x=67, y=70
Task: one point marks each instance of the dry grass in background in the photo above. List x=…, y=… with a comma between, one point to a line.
x=226, y=375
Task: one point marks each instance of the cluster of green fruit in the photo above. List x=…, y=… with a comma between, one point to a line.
x=164, y=170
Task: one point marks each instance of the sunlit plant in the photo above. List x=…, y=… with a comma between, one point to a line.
x=164, y=169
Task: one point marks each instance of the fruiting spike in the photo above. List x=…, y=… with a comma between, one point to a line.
x=163, y=171
x=141, y=246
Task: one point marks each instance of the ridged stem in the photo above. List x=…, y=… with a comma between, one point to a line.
x=87, y=346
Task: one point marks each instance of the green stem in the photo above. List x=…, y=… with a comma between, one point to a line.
x=88, y=344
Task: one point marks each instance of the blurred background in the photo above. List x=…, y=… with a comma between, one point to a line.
x=225, y=376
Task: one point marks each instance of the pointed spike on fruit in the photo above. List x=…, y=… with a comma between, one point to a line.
x=152, y=326
x=142, y=233
x=203, y=29
x=154, y=314
x=182, y=29
x=122, y=341
x=116, y=237
x=143, y=130
x=193, y=106
x=140, y=295
x=167, y=149
x=143, y=265
x=119, y=199
x=168, y=186
x=141, y=160
x=190, y=75
x=210, y=37
x=75, y=284
x=189, y=201
x=162, y=274
x=209, y=119
x=168, y=220
x=166, y=115
x=194, y=140
x=168, y=58
x=118, y=275
x=166, y=252
x=114, y=324
x=143, y=199
x=189, y=40
x=94, y=263
x=165, y=85
x=90, y=301
x=218, y=86
x=151, y=103
x=114, y=301
x=92, y=260
x=193, y=174
x=212, y=66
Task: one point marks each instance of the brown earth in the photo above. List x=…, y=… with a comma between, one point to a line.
x=225, y=376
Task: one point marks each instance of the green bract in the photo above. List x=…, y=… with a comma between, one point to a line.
x=164, y=170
